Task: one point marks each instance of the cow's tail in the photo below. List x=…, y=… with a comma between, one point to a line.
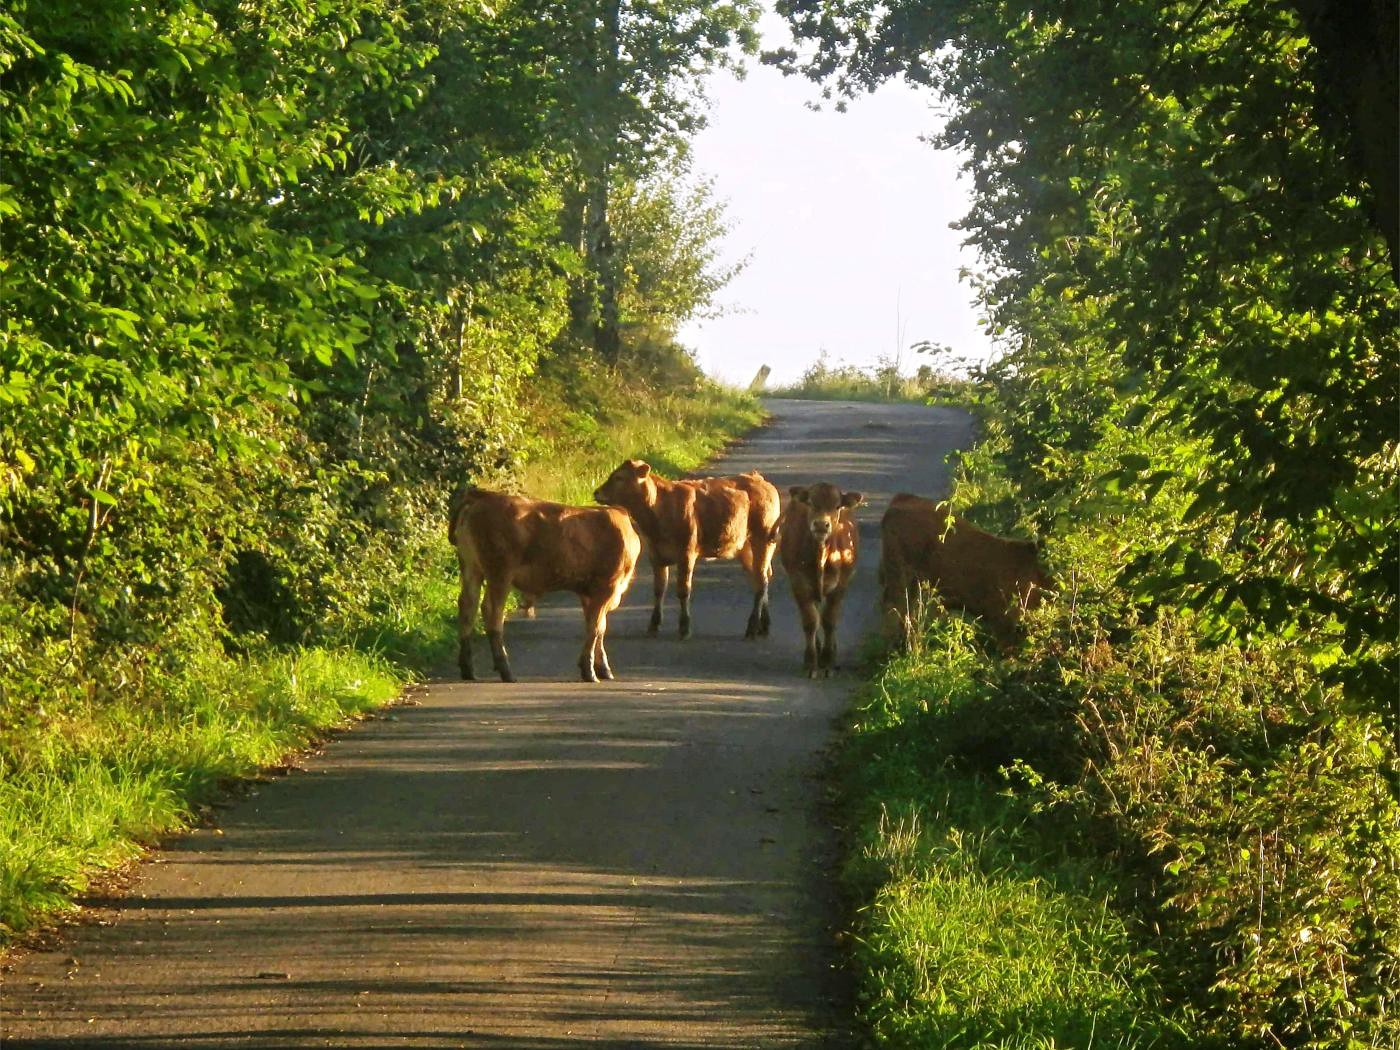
x=777, y=526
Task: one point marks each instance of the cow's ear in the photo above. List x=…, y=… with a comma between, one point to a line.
x=852, y=499
x=641, y=468
x=799, y=493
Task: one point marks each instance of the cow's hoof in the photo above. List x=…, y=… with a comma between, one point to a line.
x=506, y=676
x=467, y=676
x=588, y=676
x=606, y=675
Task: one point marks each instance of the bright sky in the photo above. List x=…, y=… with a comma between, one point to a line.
x=846, y=218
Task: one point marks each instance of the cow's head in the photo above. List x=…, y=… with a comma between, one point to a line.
x=827, y=506
x=630, y=484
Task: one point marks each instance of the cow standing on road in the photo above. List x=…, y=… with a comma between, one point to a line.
x=507, y=541
x=818, y=547
x=991, y=577
x=684, y=521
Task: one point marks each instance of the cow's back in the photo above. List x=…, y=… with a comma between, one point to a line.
x=574, y=548
x=910, y=533
x=765, y=505
x=722, y=514
x=545, y=546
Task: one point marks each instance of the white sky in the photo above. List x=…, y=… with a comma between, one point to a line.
x=846, y=218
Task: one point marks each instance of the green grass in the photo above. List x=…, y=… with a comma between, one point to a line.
x=853, y=385
x=85, y=794
x=884, y=382
x=90, y=783
x=675, y=433
x=975, y=927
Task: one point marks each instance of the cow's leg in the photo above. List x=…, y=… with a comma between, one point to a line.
x=611, y=602
x=497, y=590
x=468, y=604
x=808, y=610
x=831, y=608
x=760, y=589
x=660, y=576
x=685, y=574
x=593, y=613
x=600, y=654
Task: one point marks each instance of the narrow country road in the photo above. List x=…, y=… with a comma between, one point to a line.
x=642, y=863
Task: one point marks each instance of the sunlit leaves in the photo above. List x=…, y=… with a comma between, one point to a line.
x=1204, y=364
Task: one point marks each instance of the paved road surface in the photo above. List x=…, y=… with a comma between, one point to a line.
x=546, y=865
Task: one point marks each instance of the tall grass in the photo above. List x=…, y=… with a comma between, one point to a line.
x=675, y=432
x=87, y=793
x=975, y=928
x=1118, y=836
x=93, y=780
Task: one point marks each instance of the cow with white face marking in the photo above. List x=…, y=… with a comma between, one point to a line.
x=818, y=545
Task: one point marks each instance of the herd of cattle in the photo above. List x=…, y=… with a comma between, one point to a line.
x=506, y=542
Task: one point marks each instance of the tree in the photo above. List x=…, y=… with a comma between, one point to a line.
x=1172, y=180
x=631, y=77
x=667, y=230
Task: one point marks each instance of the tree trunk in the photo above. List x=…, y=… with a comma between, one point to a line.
x=1358, y=46
x=607, y=341
x=572, y=228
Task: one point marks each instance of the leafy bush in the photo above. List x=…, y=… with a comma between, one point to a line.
x=1234, y=810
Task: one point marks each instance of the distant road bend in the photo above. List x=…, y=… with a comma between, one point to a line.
x=539, y=866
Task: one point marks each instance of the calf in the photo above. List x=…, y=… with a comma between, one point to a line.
x=537, y=547
x=988, y=576
x=684, y=521
x=818, y=548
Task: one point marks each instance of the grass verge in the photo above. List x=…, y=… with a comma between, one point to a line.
x=85, y=790
x=975, y=927
x=86, y=793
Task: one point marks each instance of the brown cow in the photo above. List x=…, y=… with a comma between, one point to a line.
x=988, y=576
x=536, y=547
x=684, y=521
x=818, y=546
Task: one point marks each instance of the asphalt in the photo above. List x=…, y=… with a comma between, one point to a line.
x=546, y=865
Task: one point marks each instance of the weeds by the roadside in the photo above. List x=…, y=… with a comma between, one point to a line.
x=87, y=792
x=675, y=432
x=1119, y=837
x=976, y=927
